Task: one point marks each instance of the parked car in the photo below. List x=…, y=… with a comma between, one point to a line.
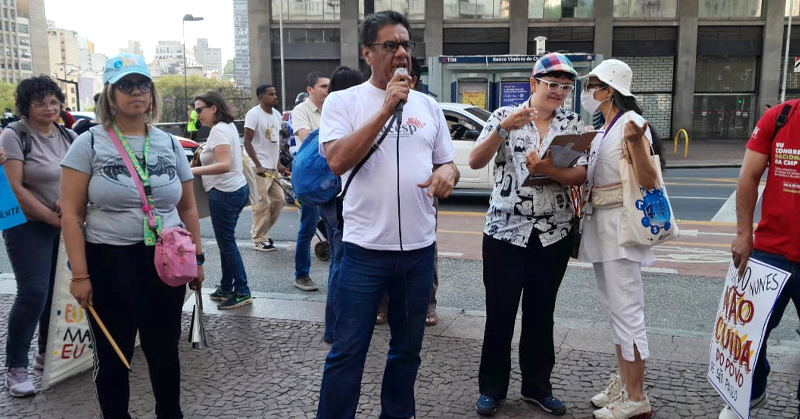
x=466, y=123
x=189, y=146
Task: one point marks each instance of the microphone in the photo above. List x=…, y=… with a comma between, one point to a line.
x=400, y=104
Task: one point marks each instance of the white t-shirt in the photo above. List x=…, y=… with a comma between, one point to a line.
x=225, y=135
x=267, y=135
x=370, y=205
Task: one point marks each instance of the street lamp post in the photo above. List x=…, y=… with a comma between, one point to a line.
x=186, y=18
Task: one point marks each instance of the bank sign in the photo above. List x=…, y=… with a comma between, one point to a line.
x=504, y=59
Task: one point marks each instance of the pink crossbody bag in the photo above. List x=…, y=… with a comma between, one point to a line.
x=175, y=258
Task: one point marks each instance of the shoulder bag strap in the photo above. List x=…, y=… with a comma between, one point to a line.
x=134, y=175
x=372, y=150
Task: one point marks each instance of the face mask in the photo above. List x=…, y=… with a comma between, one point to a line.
x=589, y=103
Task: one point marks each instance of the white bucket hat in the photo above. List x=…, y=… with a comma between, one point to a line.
x=616, y=74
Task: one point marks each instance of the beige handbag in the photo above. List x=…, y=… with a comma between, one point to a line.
x=607, y=196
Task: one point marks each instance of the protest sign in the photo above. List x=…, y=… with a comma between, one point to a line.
x=70, y=349
x=739, y=327
x=10, y=212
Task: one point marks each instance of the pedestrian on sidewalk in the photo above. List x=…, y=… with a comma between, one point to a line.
x=110, y=244
x=431, y=319
x=221, y=171
x=616, y=268
x=305, y=118
x=388, y=217
x=342, y=78
x=774, y=146
x=262, y=125
x=191, y=123
x=524, y=252
x=32, y=247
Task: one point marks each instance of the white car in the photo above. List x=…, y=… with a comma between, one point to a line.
x=466, y=123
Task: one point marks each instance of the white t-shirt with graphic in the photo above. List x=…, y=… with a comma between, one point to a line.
x=266, y=138
x=371, y=202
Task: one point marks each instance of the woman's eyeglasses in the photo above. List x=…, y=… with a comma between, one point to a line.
x=144, y=86
x=200, y=109
x=590, y=86
x=42, y=106
x=555, y=87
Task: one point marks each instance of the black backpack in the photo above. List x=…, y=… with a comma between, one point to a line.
x=23, y=134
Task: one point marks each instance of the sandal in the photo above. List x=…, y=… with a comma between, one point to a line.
x=381, y=318
x=431, y=320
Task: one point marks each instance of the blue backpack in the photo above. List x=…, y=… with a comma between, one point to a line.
x=313, y=182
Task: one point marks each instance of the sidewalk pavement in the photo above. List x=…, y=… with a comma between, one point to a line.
x=704, y=153
x=265, y=361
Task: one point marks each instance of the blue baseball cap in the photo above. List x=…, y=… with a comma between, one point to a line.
x=121, y=65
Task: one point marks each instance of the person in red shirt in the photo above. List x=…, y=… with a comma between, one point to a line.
x=775, y=147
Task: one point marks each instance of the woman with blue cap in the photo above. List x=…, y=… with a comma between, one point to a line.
x=526, y=241
x=109, y=240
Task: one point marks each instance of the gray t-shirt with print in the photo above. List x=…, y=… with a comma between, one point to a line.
x=114, y=215
x=41, y=174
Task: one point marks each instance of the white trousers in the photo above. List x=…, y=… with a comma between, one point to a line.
x=619, y=285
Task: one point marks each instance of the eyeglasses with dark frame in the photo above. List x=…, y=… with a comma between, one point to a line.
x=392, y=46
x=200, y=108
x=554, y=87
x=125, y=86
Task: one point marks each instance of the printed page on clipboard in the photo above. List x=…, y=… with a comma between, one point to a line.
x=565, y=150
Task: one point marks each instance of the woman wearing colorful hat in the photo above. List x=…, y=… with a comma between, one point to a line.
x=524, y=251
x=107, y=236
x=618, y=269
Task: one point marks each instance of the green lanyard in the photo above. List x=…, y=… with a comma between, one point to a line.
x=143, y=172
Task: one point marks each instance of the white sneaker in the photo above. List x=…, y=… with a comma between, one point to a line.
x=624, y=408
x=604, y=397
x=728, y=413
x=38, y=362
x=18, y=383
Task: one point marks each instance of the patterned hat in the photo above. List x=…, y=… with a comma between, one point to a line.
x=551, y=62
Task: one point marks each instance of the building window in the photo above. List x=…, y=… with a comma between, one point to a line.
x=646, y=8
x=413, y=9
x=724, y=9
x=476, y=9
x=22, y=28
x=305, y=9
x=560, y=9
x=25, y=66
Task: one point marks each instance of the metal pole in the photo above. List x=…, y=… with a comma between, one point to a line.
x=283, y=68
x=185, y=87
x=786, y=54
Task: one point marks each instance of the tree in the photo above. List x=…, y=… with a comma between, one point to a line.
x=174, y=102
x=7, y=96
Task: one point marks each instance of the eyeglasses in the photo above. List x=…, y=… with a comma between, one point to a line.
x=200, y=108
x=392, y=46
x=42, y=106
x=144, y=86
x=555, y=87
x=590, y=86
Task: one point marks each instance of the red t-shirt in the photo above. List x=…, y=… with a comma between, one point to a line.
x=778, y=230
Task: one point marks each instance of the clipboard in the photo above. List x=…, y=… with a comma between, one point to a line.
x=565, y=150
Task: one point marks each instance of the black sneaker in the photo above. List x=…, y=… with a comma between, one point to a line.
x=235, y=301
x=305, y=283
x=220, y=295
x=266, y=246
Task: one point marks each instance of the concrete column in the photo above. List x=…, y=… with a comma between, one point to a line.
x=258, y=34
x=603, y=27
x=683, y=102
x=518, y=39
x=348, y=19
x=434, y=28
x=771, y=55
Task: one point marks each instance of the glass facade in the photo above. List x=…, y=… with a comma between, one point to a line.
x=560, y=9
x=306, y=9
x=476, y=9
x=724, y=9
x=665, y=9
x=414, y=9
x=725, y=97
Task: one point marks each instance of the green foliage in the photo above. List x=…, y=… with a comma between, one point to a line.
x=7, y=96
x=175, y=101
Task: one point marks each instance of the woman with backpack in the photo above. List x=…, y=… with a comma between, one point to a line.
x=111, y=244
x=221, y=171
x=34, y=147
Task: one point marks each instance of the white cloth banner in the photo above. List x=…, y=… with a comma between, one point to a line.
x=70, y=349
x=741, y=321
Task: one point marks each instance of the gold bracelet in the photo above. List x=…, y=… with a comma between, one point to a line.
x=79, y=278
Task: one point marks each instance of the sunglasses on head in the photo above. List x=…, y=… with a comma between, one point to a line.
x=125, y=86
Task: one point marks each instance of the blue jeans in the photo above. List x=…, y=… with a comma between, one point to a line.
x=309, y=216
x=32, y=249
x=329, y=217
x=225, y=208
x=363, y=276
x=791, y=291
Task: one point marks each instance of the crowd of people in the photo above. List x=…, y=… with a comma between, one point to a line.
x=381, y=227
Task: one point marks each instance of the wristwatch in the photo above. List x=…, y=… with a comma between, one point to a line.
x=201, y=259
x=502, y=132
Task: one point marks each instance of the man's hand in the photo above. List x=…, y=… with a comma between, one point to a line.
x=441, y=182
x=283, y=171
x=519, y=118
x=741, y=248
x=260, y=171
x=537, y=165
x=396, y=91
